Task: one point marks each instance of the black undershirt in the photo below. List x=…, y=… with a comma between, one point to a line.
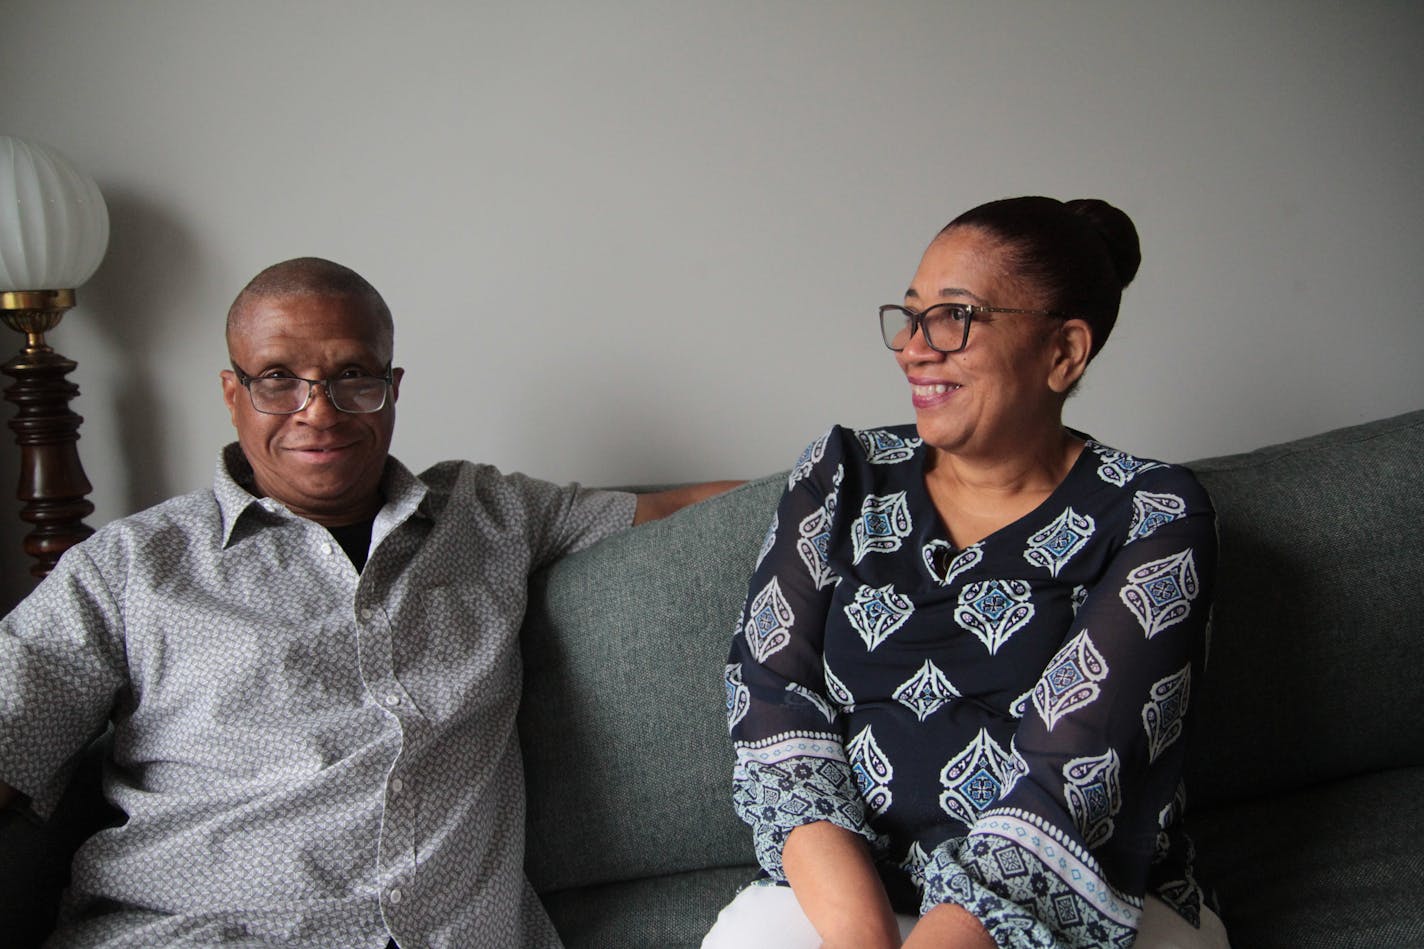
x=355, y=539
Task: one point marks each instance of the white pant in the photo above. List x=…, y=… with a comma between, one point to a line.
x=770, y=917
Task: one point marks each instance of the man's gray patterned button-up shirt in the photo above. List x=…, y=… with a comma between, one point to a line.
x=307, y=755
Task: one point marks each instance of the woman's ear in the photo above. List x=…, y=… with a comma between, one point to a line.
x=1073, y=347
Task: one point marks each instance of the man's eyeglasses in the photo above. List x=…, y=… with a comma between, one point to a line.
x=945, y=325
x=287, y=395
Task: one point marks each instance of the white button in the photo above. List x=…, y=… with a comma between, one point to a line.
x=331, y=550
x=397, y=785
x=365, y=612
x=395, y=896
x=393, y=699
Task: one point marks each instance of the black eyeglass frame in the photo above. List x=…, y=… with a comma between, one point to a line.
x=387, y=377
x=917, y=321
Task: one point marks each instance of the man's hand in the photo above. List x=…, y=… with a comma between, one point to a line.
x=662, y=503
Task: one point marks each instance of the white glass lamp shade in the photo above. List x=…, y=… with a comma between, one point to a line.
x=54, y=225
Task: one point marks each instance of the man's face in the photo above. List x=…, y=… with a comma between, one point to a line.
x=322, y=463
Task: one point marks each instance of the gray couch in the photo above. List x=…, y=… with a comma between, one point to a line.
x=1307, y=768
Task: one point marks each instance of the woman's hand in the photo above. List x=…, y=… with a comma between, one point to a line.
x=948, y=926
x=834, y=879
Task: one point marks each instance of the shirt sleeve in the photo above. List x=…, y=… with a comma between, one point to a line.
x=791, y=767
x=568, y=518
x=1092, y=787
x=61, y=668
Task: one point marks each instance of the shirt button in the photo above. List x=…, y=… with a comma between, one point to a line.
x=365, y=612
x=397, y=785
x=393, y=699
x=395, y=896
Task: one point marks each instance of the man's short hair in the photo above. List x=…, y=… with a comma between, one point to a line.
x=314, y=276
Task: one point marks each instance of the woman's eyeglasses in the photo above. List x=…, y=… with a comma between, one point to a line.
x=945, y=325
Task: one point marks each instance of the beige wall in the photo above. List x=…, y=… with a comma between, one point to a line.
x=643, y=241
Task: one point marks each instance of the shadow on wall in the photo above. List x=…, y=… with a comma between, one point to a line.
x=148, y=252
x=151, y=260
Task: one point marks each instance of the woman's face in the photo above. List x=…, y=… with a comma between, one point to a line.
x=993, y=397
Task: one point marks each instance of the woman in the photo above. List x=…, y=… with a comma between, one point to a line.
x=960, y=685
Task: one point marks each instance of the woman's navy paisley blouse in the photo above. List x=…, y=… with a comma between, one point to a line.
x=1004, y=722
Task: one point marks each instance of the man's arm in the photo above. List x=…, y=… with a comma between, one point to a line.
x=662, y=503
x=7, y=795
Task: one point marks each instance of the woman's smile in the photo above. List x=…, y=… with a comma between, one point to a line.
x=927, y=394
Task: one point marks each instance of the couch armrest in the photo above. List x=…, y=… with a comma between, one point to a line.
x=35, y=854
x=33, y=871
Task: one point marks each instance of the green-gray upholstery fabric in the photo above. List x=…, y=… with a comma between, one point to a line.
x=674, y=910
x=1318, y=630
x=622, y=721
x=1306, y=772
x=1333, y=866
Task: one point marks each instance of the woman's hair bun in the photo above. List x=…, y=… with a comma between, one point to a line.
x=1117, y=232
x=1079, y=255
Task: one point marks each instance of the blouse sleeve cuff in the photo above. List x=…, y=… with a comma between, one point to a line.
x=1028, y=893
x=777, y=797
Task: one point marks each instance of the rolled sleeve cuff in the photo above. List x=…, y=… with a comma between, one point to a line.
x=38, y=797
x=775, y=794
x=1027, y=888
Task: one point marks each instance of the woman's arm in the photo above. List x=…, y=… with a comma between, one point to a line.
x=831, y=873
x=834, y=879
x=948, y=926
x=787, y=730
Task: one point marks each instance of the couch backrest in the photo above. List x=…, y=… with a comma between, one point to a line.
x=1316, y=670
x=623, y=722
x=1317, y=654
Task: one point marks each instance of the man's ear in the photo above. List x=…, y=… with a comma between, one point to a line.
x=232, y=389
x=1072, y=347
x=396, y=375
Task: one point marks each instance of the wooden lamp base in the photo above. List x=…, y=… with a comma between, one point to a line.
x=52, y=481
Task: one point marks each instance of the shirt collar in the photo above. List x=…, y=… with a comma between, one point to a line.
x=235, y=487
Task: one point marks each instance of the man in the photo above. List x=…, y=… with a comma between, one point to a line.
x=312, y=669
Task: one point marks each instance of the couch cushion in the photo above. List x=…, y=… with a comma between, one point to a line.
x=670, y=912
x=1339, y=866
x=1318, y=628
x=628, y=763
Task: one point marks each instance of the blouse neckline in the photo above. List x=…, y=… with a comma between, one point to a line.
x=940, y=531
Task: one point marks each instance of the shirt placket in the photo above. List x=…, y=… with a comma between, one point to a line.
x=397, y=849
